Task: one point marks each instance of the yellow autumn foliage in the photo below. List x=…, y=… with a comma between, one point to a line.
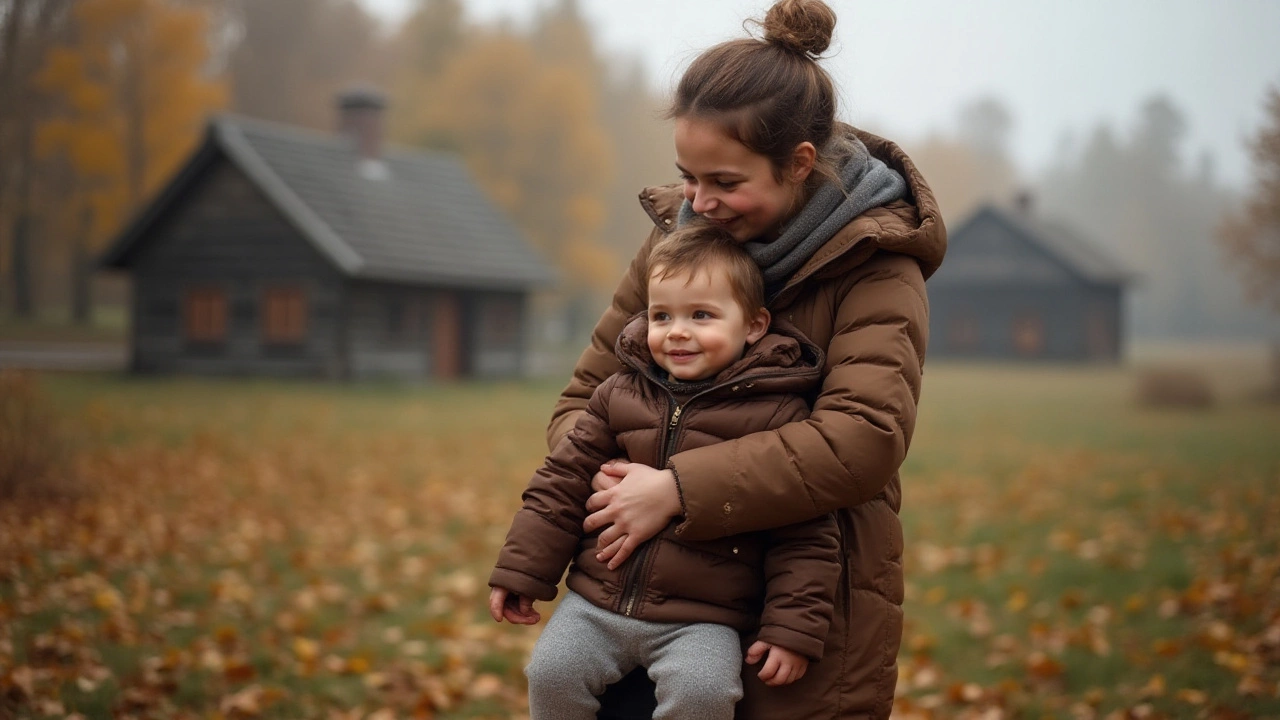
x=130, y=94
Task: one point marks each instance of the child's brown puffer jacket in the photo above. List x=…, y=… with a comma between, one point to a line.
x=780, y=581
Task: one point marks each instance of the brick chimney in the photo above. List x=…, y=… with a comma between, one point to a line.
x=360, y=120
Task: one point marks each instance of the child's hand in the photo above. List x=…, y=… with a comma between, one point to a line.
x=783, y=666
x=516, y=608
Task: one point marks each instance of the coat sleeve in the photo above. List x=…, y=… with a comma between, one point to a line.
x=546, y=531
x=801, y=572
x=598, y=360
x=857, y=436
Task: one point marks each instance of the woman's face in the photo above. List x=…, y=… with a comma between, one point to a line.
x=732, y=186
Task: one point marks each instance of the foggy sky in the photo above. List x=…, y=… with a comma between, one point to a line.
x=904, y=67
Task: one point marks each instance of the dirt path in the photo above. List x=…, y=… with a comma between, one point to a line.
x=63, y=356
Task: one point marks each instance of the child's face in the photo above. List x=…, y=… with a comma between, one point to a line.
x=696, y=327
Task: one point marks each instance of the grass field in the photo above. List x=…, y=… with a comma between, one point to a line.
x=267, y=549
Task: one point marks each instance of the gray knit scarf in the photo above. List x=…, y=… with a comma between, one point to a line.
x=868, y=183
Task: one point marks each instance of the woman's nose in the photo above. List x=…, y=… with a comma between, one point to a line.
x=700, y=199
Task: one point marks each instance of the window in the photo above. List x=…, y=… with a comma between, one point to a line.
x=1028, y=335
x=284, y=316
x=205, y=315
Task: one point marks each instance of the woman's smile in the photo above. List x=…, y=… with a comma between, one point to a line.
x=728, y=184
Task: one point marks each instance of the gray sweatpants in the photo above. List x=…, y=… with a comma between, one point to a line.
x=584, y=648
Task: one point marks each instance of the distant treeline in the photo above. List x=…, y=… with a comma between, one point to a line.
x=111, y=95
x=1132, y=191
x=100, y=100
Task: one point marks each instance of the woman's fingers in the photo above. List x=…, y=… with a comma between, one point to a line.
x=628, y=546
x=606, y=552
x=611, y=473
x=608, y=536
x=599, y=501
x=598, y=519
x=617, y=467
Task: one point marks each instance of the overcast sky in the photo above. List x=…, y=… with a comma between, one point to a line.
x=906, y=66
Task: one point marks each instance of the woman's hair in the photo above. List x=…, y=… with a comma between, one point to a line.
x=703, y=248
x=769, y=94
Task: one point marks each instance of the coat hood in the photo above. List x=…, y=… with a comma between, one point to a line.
x=784, y=360
x=912, y=226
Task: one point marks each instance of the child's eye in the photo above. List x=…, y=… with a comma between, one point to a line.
x=701, y=315
x=657, y=317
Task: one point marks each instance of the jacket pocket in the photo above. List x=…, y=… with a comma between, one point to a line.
x=717, y=572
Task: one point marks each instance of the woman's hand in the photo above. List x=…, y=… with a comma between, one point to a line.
x=783, y=666
x=516, y=608
x=609, y=475
x=635, y=509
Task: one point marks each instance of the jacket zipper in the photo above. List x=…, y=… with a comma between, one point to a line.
x=632, y=584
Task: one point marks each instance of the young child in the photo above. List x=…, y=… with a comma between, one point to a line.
x=703, y=365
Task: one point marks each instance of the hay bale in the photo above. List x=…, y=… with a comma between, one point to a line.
x=1175, y=388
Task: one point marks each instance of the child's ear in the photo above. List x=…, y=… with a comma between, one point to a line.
x=758, y=326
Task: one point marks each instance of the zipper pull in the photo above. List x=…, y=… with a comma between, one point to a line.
x=675, y=416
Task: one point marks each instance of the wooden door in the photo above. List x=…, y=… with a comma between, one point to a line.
x=446, y=336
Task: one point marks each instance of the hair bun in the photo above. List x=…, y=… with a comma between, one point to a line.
x=803, y=26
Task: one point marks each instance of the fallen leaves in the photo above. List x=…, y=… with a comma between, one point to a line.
x=319, y=553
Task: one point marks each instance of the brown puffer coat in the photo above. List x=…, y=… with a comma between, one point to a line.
x=673, y=578
x=862, y=298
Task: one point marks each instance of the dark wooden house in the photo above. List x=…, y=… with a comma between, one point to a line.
x=277, y=250
x=1019, y=286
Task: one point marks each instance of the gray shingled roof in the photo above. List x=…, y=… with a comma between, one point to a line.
x=1062, y=241
x=420, y=217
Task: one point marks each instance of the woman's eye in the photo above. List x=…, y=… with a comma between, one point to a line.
x=726, y=184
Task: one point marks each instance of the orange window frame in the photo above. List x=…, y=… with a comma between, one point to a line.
x=205, y=315
x=284, y=316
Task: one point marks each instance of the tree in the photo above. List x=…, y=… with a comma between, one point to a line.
x=27, y=29
x=531, y=134
x=292, y=57
x=973, y=167
x=128, y=97
x=424, y=45
x=1137, y=193
x=1251, y=235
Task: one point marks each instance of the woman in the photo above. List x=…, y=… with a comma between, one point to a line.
x=846, y=231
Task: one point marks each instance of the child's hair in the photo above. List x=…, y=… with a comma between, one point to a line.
x=702, y=247
x=769, y=94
